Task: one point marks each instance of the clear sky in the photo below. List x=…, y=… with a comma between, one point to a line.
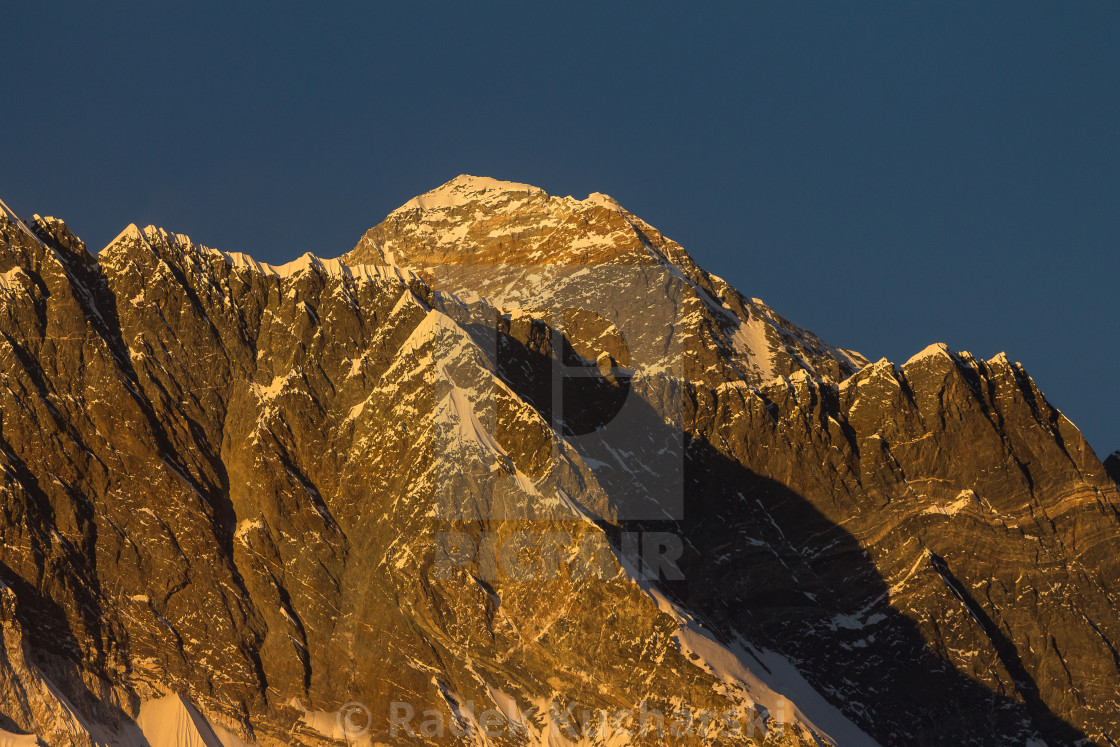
x=888, y=174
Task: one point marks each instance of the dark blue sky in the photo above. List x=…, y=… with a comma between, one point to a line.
x=888, y=174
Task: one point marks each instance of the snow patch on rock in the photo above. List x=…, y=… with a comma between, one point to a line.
x=767, y=678
x=171, y=721
x=937, y=349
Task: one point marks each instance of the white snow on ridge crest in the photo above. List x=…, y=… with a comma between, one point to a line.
x=465, y=189
x=332, y=268
x=931, y=351
x=462, y=190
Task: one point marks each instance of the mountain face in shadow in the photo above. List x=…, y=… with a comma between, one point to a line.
x=1112, y=466
x=516, y=471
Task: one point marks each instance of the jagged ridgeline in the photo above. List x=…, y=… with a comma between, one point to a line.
x=515, y=470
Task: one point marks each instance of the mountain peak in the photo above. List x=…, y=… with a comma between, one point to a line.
x=131, y=231
x=487, y=221
x=522, y=248
x=936, y=350
x=464, y=189
x=467, y=189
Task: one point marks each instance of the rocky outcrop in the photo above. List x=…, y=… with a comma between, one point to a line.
x=1112, y=466
x=516, y=451
x=936, y=531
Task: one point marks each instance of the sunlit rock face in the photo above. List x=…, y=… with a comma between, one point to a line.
x=522, y=248
x=514, y=458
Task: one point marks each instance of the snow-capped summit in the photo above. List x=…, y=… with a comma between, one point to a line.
x=524, y=248
x=935, y=350
x=464, y=189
